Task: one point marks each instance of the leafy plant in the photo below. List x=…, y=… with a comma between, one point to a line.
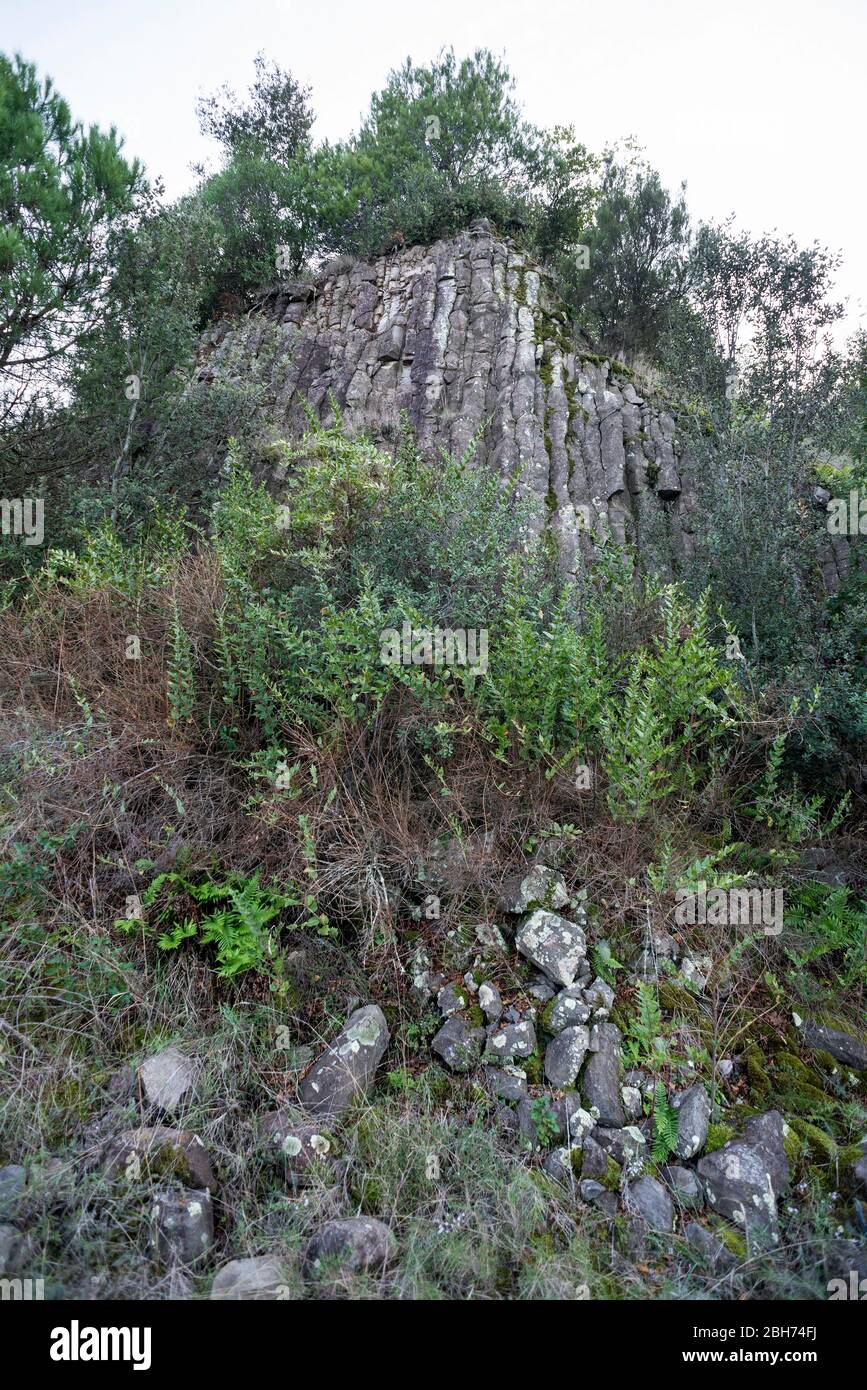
x=236, y=915
x=665, y=1124
x=544, y=1121
x=830, y=925
x=645, y=1044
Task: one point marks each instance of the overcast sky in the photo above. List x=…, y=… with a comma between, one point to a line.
x=758, y=104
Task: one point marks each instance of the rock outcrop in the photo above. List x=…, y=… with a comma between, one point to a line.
x=467, y=339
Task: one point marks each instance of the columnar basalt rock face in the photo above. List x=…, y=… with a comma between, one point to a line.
x=466, y=337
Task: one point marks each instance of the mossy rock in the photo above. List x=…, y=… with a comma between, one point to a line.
x=817, y=1143
x=733, y=1241
x=475, y=1016
x=545, y=1016
x=612, y=1176
x=717, y=1135
x=533, y=1068
x=677, y=999
x=760, y=1082
x=793, y=1146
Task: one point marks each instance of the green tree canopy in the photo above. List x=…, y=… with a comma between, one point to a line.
x=62, y=191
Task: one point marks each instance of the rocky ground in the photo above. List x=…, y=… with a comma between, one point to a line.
x=537, y=1141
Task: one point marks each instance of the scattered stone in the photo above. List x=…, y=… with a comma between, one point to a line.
x=470, y=982
x=262, y=1277
x=541, y=887
x=490, y=1002
x=645, y=966
x=564, y=1056
x=13, y=1179
x=297, y=1145
x=348, y=1068
x=568, y=1009
x=166, y=1079
x=121, y=1085
x=641, y=1081
x=14, y=1250
x=709, y=1247
x=573, y=1123
x=554, y=945
x=602, y=1076
x=767, y=1132
x=599, y=1196
x=506, y=1082
x=848, y=1051
x=299, y=1058
x=595, y=1160
x=350, y=1246
x=183, y=1225
x=527, y=1128
x=558, y=1165
x=624, y=1145
x=458, y=1044
x=505, y=1043
x=599, y=995
x=489, y=936
x=744, y=1178
x=451, y=1000
x=160, y=1152
x=541, y=990
x=632, y=1102
x=591, y=1190
x=685, y=1186
x=650, y=1199
x=696, y=970
x=693, y=1117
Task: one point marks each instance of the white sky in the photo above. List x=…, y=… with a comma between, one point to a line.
x=758, y=104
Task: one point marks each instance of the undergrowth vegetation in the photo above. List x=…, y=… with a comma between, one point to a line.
x=223, y=811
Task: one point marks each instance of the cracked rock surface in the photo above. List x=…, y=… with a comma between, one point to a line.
x=468, y=338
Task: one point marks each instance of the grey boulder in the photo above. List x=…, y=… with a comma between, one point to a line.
x=509, y=1041
x=848, y=1051
x=564, y=1056
x=602, y=1076
x=685, y=1186
x=167, y=1079
x=693, y=1117
x=351, y=1246
x=540, y=887
x=744, y=1178
x=490, y=1002
x=182, y=1225
x=451, y=999
x=650, y=1199
x=458, y=1044
x=261, y=1277
x=555, y=946
x=295, y=1144
x=567, y=1010
x=160, y=1152
x=508, y=1083
x=347, y=1069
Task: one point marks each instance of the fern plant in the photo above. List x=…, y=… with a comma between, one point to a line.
x=638, y=755
x=645, y=1044
x=236, y=915
x=665, y=1125
x=179, y=671
x=830, y=925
